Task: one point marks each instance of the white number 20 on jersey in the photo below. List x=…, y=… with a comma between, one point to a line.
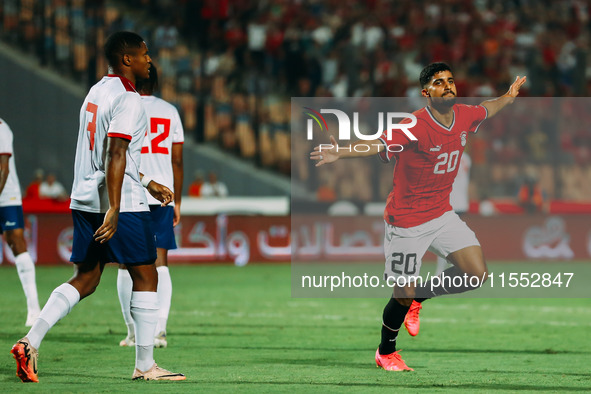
x=451, y=160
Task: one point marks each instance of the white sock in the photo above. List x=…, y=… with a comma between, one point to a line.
x=144, y=311
x=441, y=265
x=26, y=272
x=164, y=297
x=60, y=303
x=124, y=288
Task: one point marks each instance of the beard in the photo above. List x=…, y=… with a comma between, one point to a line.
x=443, y=104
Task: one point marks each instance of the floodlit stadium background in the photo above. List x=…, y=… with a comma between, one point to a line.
x=231, y=68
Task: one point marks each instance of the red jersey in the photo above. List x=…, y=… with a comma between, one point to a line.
x=425, y=169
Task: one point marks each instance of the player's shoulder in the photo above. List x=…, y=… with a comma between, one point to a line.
x=470, y=116
x=127, y=98
x=423, y=118
x=418, y=114
x=118, y=81
x=156, y=100
x=421, y=114
x=159, y=103
x=464, y=108
x=111, y=87
x=5, y=129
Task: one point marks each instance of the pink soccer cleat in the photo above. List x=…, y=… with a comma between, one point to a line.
x=411, y=320
x=391, y=362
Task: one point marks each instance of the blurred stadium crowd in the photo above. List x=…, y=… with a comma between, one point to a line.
x=231, y=66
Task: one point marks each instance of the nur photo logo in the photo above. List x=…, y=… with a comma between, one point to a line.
x=392, y=120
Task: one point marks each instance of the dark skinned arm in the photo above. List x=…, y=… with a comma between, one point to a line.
x=159, y=192
x=495, y=105
x=177, y=174
x=3, y=171
x=115, y=162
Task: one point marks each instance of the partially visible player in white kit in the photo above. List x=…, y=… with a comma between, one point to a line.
x=109, y=209
x=162, y=160
x=458, y=198
x=12, y=222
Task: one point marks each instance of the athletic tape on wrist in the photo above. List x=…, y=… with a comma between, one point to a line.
x=146, y=180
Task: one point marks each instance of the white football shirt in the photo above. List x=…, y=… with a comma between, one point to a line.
x=458, y=197
x=112, y=108
x=165, y=129
x=11, y=194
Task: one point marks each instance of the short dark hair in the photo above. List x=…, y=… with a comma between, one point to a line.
x=432, y=69
x=149, y=85
x=118, y=43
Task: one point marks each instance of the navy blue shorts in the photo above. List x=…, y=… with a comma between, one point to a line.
x=133, y=243
x=11, y=218
x=162, y=220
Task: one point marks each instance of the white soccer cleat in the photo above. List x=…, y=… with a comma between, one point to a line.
x=128, y=341
x=160, y=340
x=157, y=373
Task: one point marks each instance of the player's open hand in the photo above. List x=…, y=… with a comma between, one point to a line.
x=160, y=193
x=515, y=86
x=106, y=231
x=325, y=153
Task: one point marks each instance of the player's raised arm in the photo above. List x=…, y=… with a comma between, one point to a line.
x=328, y=153
x=495, y=105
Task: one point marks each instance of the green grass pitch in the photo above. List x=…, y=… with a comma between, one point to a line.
x=238, y=329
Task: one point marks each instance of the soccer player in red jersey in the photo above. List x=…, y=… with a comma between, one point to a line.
x=418, y=213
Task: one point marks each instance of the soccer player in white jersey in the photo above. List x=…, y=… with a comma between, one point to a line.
x=12, y=222
x=162, y=159
x=109, y=209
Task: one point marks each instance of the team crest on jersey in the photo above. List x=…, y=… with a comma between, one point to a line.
x=463, y=138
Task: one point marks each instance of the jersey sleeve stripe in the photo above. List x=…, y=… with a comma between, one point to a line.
x=119, y=135
x=383, y=155
x=180, y=142
x=485, y=118
x=5, y=154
